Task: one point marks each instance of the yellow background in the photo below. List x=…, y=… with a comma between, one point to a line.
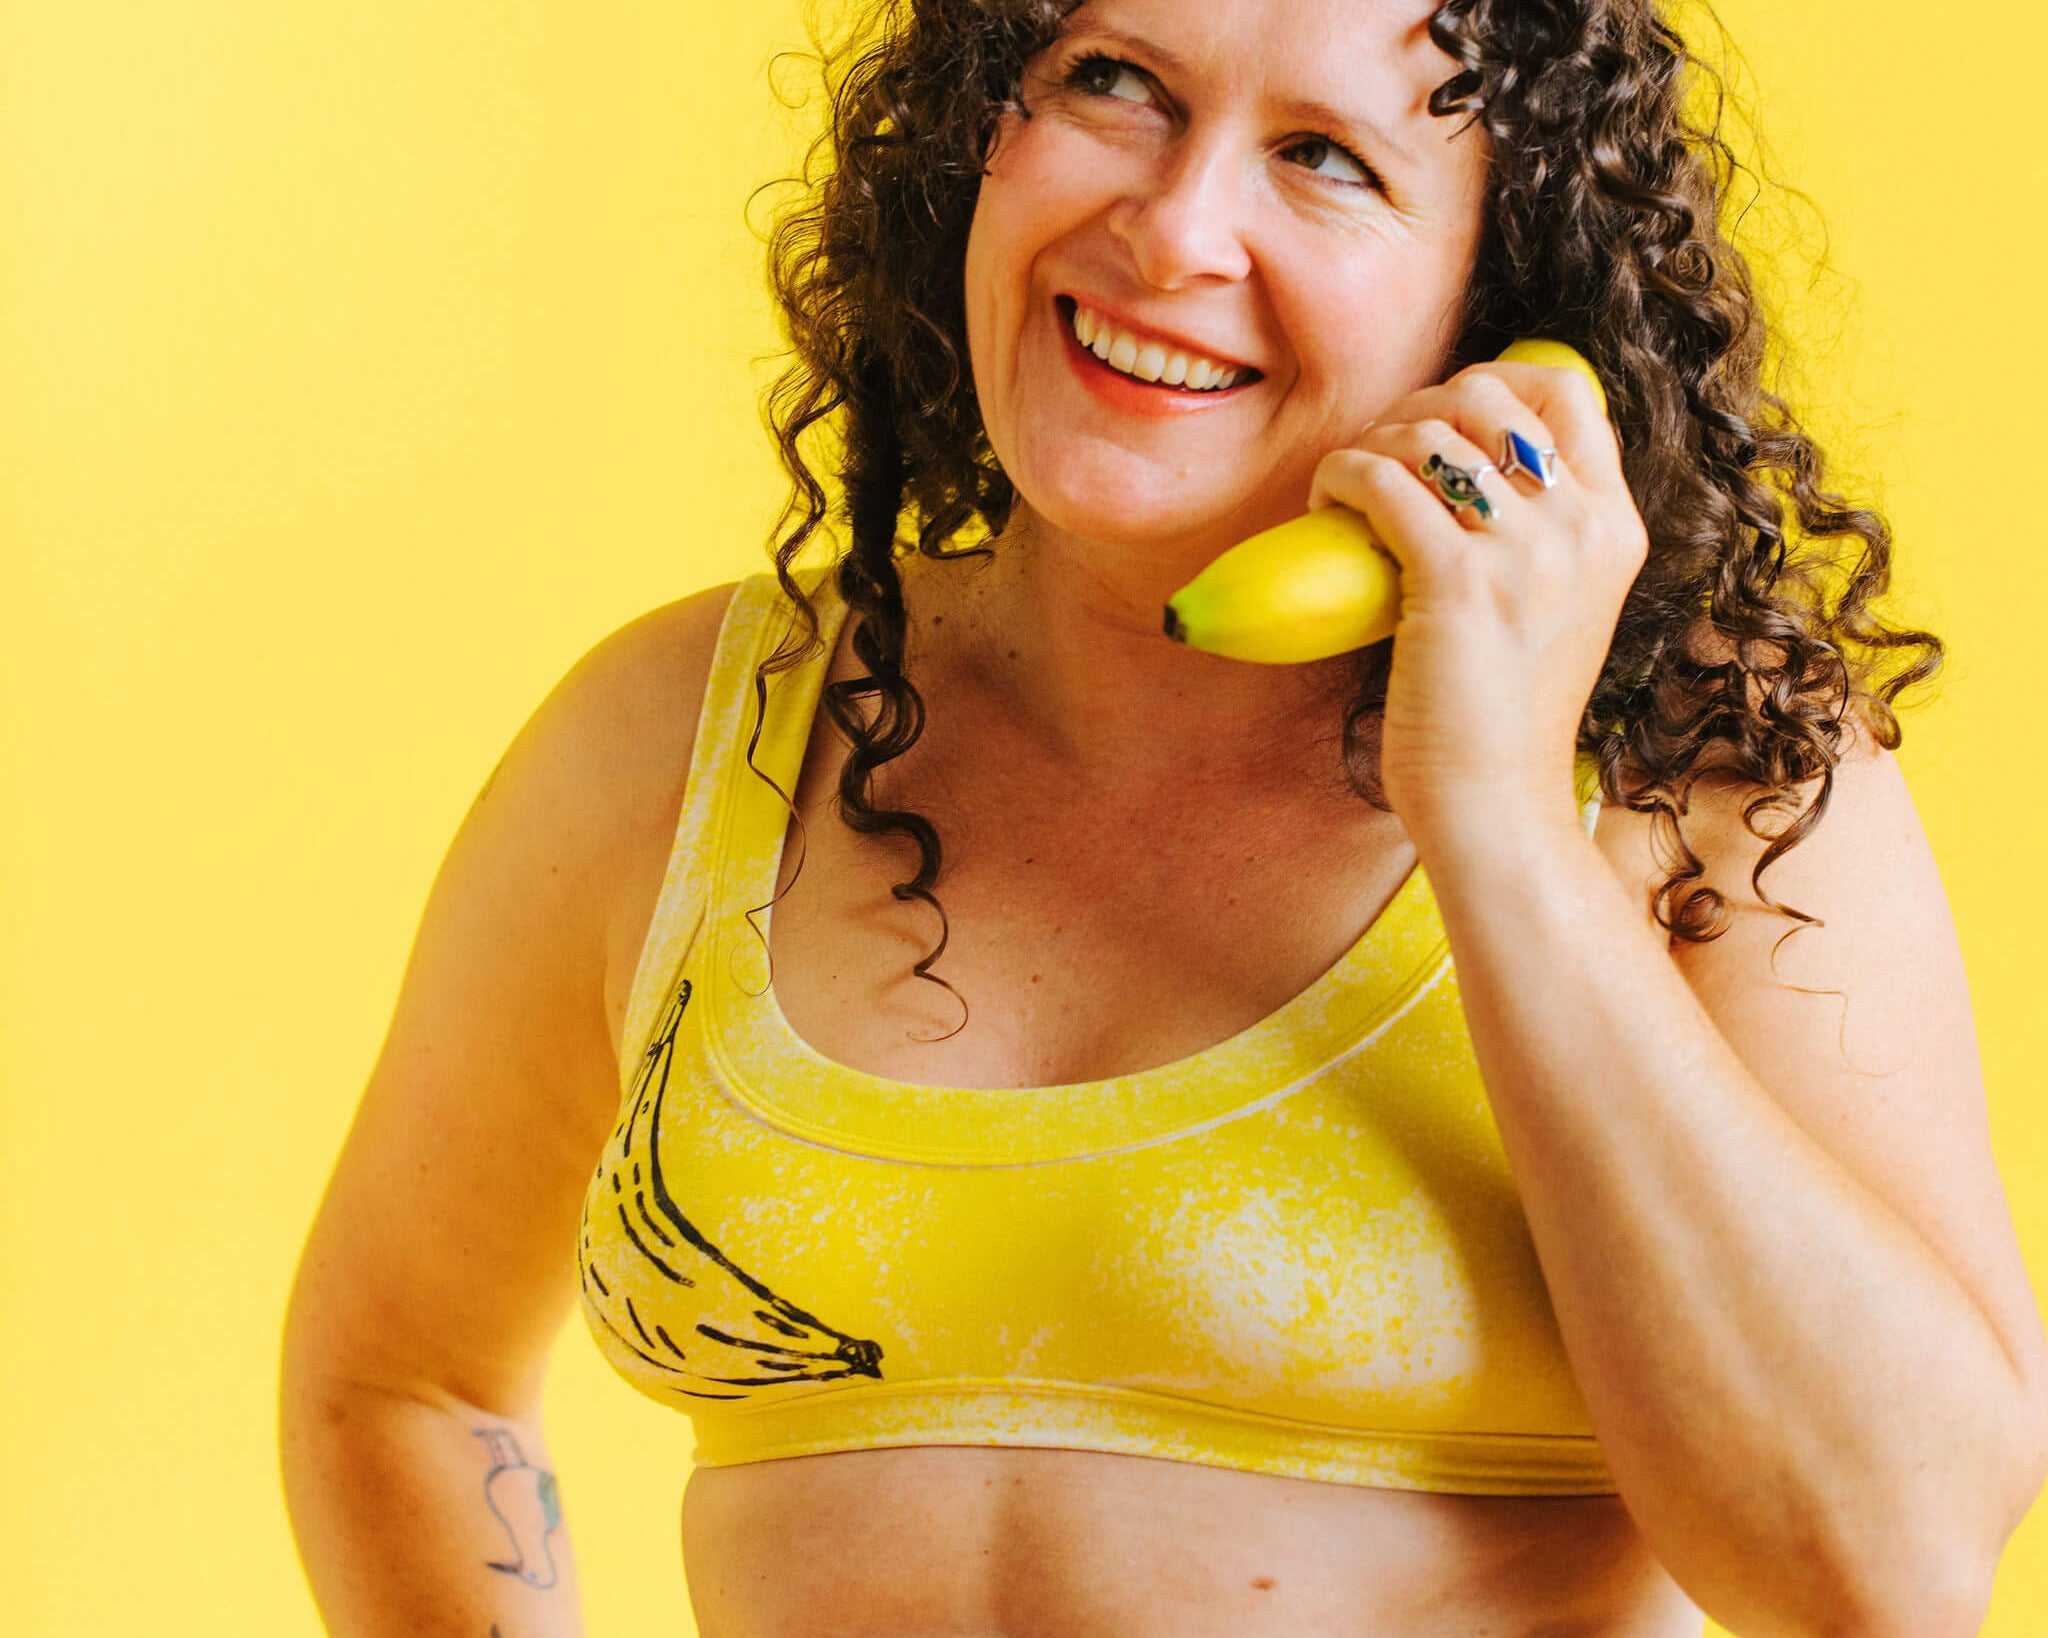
x=360, y=365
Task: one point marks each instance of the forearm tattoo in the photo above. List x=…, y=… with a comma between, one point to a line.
x=524, y=1499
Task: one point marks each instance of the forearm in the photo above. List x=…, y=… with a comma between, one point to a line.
x=1802, y=1405
x=420, y=1519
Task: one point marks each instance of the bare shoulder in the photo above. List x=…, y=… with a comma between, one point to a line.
x=625, y=716
x=1859, y=1022
x=1867, y=832
x=594, y=782
x=1876, y=970
x=646, y=685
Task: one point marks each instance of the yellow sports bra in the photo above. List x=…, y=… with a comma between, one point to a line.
x=1297, y=1252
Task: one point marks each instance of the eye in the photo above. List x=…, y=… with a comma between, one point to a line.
x=1095, y=74
x=1322, y=149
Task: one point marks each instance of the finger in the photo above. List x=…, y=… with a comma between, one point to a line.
x=1486, y=409
x=1472, y=491
x=1568, y=406
x=1410, y=525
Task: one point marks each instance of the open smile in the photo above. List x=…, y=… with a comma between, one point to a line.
x=1130, y=395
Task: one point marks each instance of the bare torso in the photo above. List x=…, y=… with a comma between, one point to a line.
x=1095, y=933
x=937, y=1542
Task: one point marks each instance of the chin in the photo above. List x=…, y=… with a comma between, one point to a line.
x=1130, y=523
x=1112, y=503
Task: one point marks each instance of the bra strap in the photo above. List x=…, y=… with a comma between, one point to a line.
x=754, y=622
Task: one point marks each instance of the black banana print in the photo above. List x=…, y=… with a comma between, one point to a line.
x=744, y=1336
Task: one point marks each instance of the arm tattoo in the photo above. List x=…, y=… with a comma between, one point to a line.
x=525, y=1500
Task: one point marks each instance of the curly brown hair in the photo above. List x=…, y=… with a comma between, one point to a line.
x=1735, y=654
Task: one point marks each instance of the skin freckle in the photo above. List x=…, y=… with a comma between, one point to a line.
x=1263, y=1582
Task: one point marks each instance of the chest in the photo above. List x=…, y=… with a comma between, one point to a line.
x=1081, y=941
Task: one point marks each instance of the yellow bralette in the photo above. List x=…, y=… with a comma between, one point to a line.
x=1297, y=1252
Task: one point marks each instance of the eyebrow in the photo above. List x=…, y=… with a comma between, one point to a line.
x=1295, y=107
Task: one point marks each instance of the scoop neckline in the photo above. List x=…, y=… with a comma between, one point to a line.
x=781, y=1077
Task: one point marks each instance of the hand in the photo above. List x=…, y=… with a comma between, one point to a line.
x=1505, y=622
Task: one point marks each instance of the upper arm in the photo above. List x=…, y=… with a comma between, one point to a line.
x=1881, y=1067
x=443, y=1255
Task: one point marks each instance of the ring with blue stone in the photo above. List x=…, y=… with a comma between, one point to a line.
x=1518, y=454
x=1456, y=487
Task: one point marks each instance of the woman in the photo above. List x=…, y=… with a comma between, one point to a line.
x=1327, y=1173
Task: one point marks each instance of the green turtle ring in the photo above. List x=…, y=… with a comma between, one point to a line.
x=1458, y=487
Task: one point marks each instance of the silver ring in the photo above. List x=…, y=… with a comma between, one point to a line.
x=1456, y=486
x=1518, y=454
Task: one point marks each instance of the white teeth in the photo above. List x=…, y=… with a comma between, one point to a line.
x=1149, y=360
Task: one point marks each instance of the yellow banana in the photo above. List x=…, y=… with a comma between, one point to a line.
x=1316, y=585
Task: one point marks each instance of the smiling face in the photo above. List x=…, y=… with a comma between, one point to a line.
x=1177, y=178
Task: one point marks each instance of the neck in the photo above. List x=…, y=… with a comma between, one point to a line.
x=1063, y=637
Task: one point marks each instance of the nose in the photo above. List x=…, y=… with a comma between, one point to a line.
x=1181, y=224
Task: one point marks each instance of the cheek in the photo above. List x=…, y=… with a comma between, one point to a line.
x=1008, y=225
x=1035, y=190
x=991, y=251
x=1044, y=179
x=1368, y=327
x=985, y=302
